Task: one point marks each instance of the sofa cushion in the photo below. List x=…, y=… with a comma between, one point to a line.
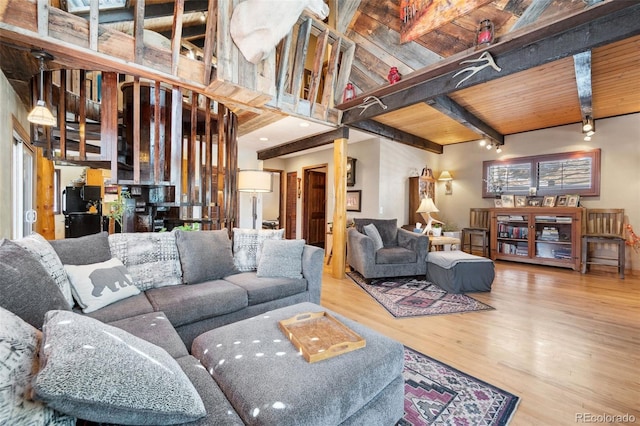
x=388, y=229
x=219, y=409
x=204, y=255
x=18, y=364
x=186, y=304
x=104, y=374
x=154, y=328
x=48, y=258
x=85, y=250
x=125, y=308
x=100, y=284
x=395, y=255
x=246, y=246
x=150, y=257
x=260, y=290
x=26, y=289
x=281, y=258
x=372, y=232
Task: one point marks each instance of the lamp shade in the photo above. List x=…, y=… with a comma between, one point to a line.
x=255, y=181
x=41, y=115
x=427, y=206
x=445, y=175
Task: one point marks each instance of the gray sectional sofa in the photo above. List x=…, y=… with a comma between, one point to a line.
x=178, y=285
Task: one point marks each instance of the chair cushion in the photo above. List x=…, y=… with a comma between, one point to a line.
x=394, y=255
x=372, y=232
x=260, y=290
x=388, y=229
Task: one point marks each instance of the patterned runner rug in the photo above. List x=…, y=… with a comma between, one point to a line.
x=437, y=394
x=414, y=296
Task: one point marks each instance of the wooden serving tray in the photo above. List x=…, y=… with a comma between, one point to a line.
x=318, y=336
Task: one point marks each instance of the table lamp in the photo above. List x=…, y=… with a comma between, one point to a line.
x=425, y=209
x=255, y=181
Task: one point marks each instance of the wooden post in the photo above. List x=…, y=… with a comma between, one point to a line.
x=338, y=260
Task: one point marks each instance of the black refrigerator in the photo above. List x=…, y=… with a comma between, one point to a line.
x=77, y=201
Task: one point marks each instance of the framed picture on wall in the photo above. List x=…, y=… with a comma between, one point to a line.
x=351, y=171
x=354, y=201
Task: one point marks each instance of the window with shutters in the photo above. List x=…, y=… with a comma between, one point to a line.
x=553, y=174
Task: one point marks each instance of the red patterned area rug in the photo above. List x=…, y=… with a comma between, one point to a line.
x=437, y=394
x=414, y=296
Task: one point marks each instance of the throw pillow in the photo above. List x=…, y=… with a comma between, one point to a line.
x=372, y=232
x=38, y=246
x=26, y=288
x=102, y=373
x=18, y=365
x=150, y=257
x=281, y=258
x=100, y=284
x=247, y=243
x=85, y=250
x=205, y=255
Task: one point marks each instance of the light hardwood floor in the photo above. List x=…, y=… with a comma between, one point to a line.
x=564, y=342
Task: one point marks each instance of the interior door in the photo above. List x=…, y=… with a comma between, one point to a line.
x=315, y=207
x=291, y=205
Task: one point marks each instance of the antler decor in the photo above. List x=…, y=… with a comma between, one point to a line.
x=486, y=56
x=633, y=240
x=369, y=101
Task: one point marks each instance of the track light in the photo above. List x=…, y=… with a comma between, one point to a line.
x=40, y=113
x=482, y=142
x=489, y=146
x=588, y=124
x=498, y=149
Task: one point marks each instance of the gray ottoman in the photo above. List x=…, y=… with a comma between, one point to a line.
x=269, y=383
x=460, y=272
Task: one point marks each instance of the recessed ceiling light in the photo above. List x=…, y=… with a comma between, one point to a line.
x=304, y=124
x=264, y=139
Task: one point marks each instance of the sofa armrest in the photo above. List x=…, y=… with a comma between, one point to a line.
x=414, y=241
x=361, y=254
x=312, y=263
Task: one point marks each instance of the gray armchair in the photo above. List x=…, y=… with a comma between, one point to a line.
x=403, y=253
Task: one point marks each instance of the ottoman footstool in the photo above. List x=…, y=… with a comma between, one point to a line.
x=460, y=272
x=268, y=382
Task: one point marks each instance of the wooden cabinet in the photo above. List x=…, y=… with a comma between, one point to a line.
x=419, y=187
x=544, y=236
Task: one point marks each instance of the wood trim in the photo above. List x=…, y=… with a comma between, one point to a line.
x=304, y=143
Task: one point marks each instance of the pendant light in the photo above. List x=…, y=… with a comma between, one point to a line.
x=40, y=113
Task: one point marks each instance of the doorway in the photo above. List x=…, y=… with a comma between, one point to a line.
x=314, y=205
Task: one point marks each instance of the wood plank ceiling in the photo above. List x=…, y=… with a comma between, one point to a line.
x=525, y=96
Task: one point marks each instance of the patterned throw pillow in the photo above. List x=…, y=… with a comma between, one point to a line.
x=150, y=257
x=247, y=243
x=100, y=284
x=18, y=365
x=102, y=373
x=372, y=232
x=281, y=258
x=38, y=246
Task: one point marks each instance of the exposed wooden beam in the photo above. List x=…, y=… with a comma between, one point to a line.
x=596, y=26
x=138, y=31
x=176, y=35
x=210, y=40
x=94, y=20
x=385, y=131
x=451, y=108
x=582, y=65
x=533, y=12
x=345, y=12
x=298, y=145
x=150, y=11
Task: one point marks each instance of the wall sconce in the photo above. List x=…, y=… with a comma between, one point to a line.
x=40, y=114
x=448, y=182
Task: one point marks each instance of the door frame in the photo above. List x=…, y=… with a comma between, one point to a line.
x=281, y=196
x=21, y=143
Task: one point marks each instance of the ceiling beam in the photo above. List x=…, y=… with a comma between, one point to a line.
x=533, y=12
x=452, y=109
x=598, y=25
x=385, y=131
x=582, y=66
x=303, y=144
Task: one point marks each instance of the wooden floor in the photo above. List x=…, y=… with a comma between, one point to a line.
x=564, y=342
